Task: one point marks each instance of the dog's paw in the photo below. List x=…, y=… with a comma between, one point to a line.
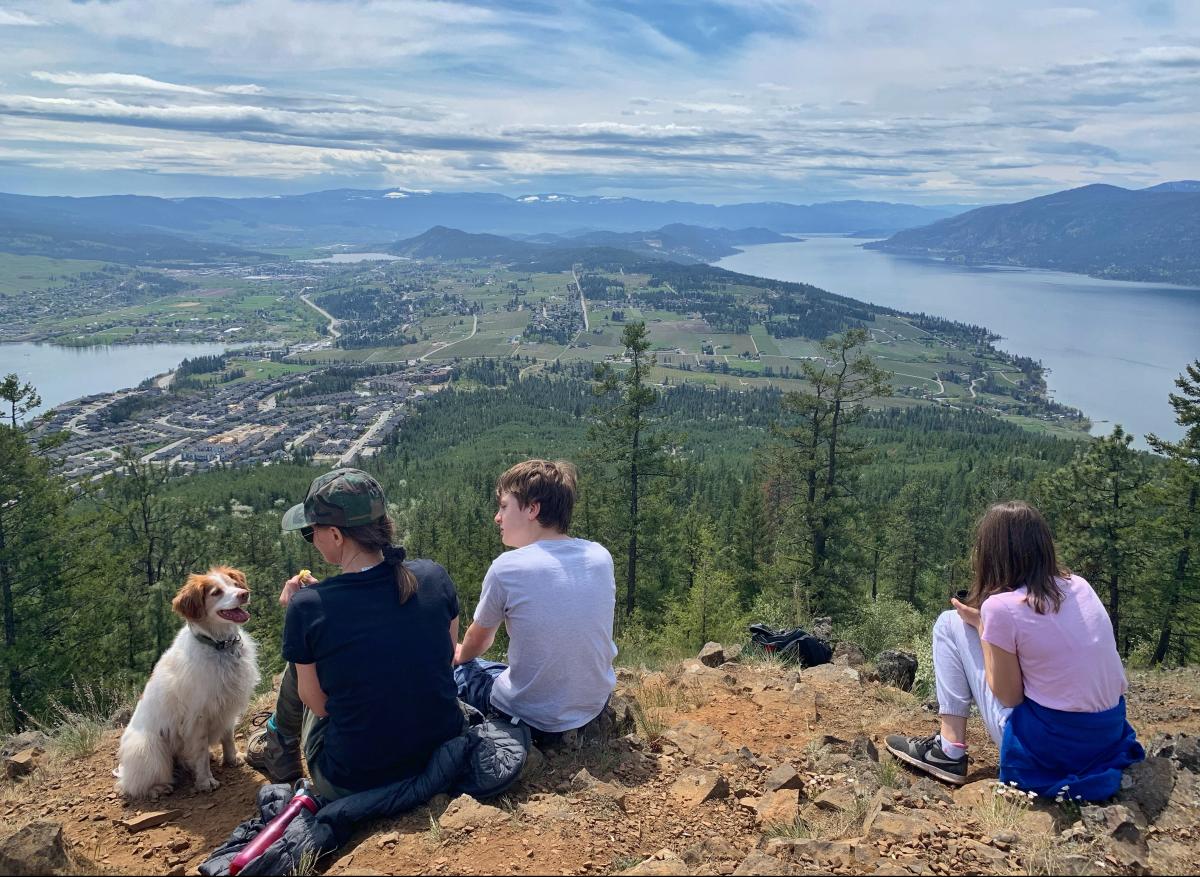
x=157, y=791
x=207, y=784
x=236, y=761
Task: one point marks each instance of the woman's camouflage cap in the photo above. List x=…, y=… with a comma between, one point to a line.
x=341, y=498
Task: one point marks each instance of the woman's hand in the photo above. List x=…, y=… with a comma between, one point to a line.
x=968, y=614
x=295, y=583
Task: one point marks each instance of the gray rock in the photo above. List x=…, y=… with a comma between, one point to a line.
x=38, y=848
x=712, y=655
x=863, y=749
x=733, y=654
x=896, y=668
x=822, y=628
x=783, y=777
x=1148, y=784
x=24, y=740
x=759, y=862
x=1184, y=749
x=849, y=654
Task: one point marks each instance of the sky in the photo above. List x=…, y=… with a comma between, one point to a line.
x=965, y=102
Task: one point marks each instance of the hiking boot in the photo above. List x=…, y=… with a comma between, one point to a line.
x=270, y=756
x=925, y=753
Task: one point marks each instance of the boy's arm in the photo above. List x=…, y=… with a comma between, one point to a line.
x=477, y=641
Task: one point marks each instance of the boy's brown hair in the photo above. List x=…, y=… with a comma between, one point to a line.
x=551, y=484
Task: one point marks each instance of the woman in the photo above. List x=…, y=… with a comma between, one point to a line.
x=1032, y=646
x=368, y=692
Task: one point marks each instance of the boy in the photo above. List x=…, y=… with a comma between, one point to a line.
x=556, y=596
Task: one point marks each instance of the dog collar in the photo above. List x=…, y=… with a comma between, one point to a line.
x=219, y=645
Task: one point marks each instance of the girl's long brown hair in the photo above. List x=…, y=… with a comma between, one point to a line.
x=1013, y=547
x=377, y=536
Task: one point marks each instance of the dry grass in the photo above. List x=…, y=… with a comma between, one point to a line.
x=1047, y=854
x=654, y=697
x=890, y=774
x=76, y=730
x=813, y=823
x=1002, y=811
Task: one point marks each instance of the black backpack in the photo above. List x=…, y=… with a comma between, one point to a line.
x=795, y=645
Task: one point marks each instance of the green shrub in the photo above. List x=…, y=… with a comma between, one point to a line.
x=886, y=624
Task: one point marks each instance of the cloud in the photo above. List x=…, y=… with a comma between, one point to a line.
x=115, y=82
x=705, y=98
x=17, y=19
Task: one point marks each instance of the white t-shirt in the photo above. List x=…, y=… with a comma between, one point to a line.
x=556, y=598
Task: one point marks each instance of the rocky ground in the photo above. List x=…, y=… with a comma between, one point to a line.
x=739, y=768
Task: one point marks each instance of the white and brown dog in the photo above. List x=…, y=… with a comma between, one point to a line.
x=199, y=688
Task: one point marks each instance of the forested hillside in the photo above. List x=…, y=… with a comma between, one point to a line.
x=747, y=505
x=1105, y=231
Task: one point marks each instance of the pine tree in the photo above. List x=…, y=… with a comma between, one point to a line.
x=914, y=536
x=1098, y=508
x=625, y=438
x=814, y=469
x=1178, y=524
x=21, y=398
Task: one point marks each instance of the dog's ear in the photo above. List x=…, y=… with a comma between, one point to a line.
x=234, y=575
x=189, y=602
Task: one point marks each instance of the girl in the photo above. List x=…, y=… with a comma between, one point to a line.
x=368, y=692
x=1032, y=646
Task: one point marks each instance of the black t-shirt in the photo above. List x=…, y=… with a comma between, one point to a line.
x=384, y=667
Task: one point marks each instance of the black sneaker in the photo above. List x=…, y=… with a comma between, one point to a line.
x=925, y=753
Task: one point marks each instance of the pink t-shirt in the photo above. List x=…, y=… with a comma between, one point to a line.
x=1068, y=658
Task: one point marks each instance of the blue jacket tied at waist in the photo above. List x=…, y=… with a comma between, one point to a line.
x=1045, y=750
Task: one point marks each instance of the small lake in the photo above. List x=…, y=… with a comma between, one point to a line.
x=61, y=374
x=350, y=258
x=1112, y=348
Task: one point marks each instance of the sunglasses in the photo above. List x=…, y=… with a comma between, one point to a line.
x=307, y=533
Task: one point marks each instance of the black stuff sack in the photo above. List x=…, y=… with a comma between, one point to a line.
x=795, y=645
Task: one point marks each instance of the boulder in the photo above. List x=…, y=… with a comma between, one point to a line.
x=24, y=740
x=712, y=655
x=38, y=848
x=896, y=668
x=832, y=673
x=759, y=862
x=1116, y=821
x=695, y=786
x=465, y=812
x=783, y=777
x=780, y=807
x=837, y=799
x=849, y=654
x=733, y=653
x=662, y=862
x=699, y=741
x=1148, y=784
x=22, y=763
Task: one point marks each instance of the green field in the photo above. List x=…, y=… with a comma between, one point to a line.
x=20, y=274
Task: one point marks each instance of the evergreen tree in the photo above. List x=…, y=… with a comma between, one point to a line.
x=624, y=438
x=814, y=470
x=914, y=536
x=1177, y=526
x=21, y=398
x=1099, y=512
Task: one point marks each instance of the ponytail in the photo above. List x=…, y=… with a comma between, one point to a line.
x=377, y=536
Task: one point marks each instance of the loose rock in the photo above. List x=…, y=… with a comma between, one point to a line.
x=38, y=848
x=896, y=668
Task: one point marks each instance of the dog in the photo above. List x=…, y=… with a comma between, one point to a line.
x=199, y=688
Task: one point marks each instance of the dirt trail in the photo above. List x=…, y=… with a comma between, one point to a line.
x=745, y=721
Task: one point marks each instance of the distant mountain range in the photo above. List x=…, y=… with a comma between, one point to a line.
x=357, y=217
x=1122, y=234
x=688, y=244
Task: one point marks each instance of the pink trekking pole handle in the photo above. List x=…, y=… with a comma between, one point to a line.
x=273, y=831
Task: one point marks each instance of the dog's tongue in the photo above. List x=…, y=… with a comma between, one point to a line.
x=237, y=616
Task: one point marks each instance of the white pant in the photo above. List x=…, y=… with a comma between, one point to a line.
x=960, y=677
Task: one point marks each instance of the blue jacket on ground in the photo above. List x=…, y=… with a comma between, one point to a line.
x=1045, y=750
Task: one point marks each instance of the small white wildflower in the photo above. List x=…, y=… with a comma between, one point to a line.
x=1012, y=783
x=1065, y=787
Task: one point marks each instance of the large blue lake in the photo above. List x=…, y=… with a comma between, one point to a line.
x=64, y=373
x=1113, y=349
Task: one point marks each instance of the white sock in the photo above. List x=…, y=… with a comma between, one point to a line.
x=952, y=750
